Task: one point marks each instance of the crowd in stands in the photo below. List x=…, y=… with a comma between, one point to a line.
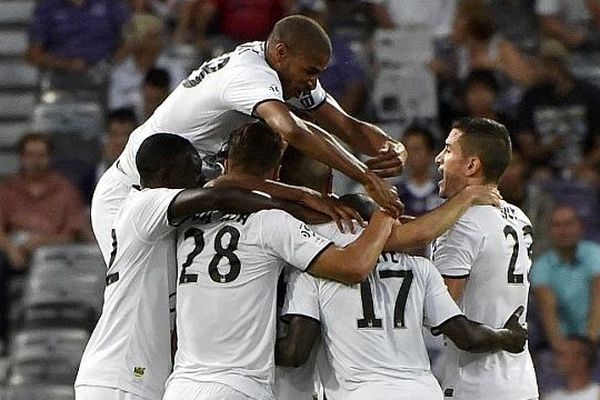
x=530, y=64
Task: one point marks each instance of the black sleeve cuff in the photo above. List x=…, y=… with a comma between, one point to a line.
x=310, y=264
x=253, y=114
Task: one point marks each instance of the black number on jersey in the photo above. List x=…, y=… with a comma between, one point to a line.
x=510, y=231
x=113, y=253
x=369, y=319
x=205, y=69
x=213, y=266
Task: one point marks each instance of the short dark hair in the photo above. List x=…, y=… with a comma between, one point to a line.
x=123, y=114
x=34, y=137
x=158, y=77
x=159, y=152
x=422, y=131
x=485, y=77
x=489, y=140
x=300, y=170
x=362, y=203
x=589, y=349
x=302, y=33
x=255, y=148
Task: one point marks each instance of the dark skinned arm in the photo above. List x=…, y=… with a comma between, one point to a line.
x=474, y=337
x=294, y=349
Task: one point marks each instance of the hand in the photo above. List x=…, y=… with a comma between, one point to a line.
x=484, y=195
x=340, y=213
x=384, y=194
x=517, y=334
x=390, y=160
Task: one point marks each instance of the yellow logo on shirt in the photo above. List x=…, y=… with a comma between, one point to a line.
x=139, y=371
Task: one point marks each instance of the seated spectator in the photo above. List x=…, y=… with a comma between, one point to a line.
x=157, y=86
x=75, y=35
x=558, y=125
x=574, y=361
x=418, y=189
x=566, y=281
x=517, y=188
x=121, y=123
x=344, y=77
x=146, y=40
x=572, y=22
x=39, y=207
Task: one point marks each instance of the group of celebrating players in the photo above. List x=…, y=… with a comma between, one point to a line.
x=193, y=266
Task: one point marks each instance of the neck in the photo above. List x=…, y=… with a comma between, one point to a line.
x=420, y=177
x=577, y=381
x=234, y=173
x=35, y=177
x=567, y=254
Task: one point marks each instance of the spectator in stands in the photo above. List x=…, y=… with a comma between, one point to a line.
x=566, y=281
x=559, y=119
x=146, y=39
x=572, y=22
x=74, y=35
x=157, y=86
x=344, y=78
x=238, y=20
x=517, y=188
x=418, y=189
x=121, y=123
x=574, y=360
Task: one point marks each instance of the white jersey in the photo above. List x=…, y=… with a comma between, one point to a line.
x=372, y=331
x=590, y=392
x=491, y=248
x=217, y=98
x=226, y=300
x=130, y=348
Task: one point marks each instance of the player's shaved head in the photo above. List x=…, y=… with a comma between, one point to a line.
x=300, y=170
x=167, y=160
x=301, y=34
x=255, y=149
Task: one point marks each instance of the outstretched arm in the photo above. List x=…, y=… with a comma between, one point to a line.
x=478, y=338
x=294, y=349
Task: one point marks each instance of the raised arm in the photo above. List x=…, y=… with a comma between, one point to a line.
x=321, y=147
x=294, y=349
x=474, y=337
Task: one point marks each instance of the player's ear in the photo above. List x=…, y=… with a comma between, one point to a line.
x=281, y=51
x=474, y=166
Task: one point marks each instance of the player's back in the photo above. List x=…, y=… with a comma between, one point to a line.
x=130, y=346
x=372, y=331
x=229, y=267
x=493, y=247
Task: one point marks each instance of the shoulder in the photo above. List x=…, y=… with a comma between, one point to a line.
x=479, y=216
x=61, y=183
x=590, y=249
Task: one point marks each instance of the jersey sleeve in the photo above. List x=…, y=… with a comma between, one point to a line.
x=310, y=100
x=438, y=306
x=150, y=220
x=302, y=296
x=455, y=251
x=246, y=91
x=290, y=239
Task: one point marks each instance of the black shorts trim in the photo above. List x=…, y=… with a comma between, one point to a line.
x=310, y=264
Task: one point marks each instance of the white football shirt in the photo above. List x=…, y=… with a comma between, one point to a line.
x=130, y=347
x=372, y=331
x=216, y=99
x=492, y=248
x=226, y=298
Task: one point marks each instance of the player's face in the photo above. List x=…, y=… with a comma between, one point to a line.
x=452, y=165
x=187, y=173
x=299, y=72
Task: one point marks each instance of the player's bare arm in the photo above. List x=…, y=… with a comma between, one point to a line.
x=388, y=154
x=294, y=348
x=322, y=148
x=424, y=229
x=341, y=214
x=353, y=263
x=479, y=338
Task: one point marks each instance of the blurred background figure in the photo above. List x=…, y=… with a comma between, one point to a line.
x=574, y=361
x=120, y=124
x=566, y=281
x=559, y=119
x=418, y=189
x=572, y=22
x=157, y=86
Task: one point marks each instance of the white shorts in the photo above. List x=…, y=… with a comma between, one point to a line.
x=183, y=389
x=104, y=393
x=110, y=193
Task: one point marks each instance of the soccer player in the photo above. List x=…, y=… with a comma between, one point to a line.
x=259, y=80
x=372, y=331
x=485, y=260
x=229, y=266
x=128, y=355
